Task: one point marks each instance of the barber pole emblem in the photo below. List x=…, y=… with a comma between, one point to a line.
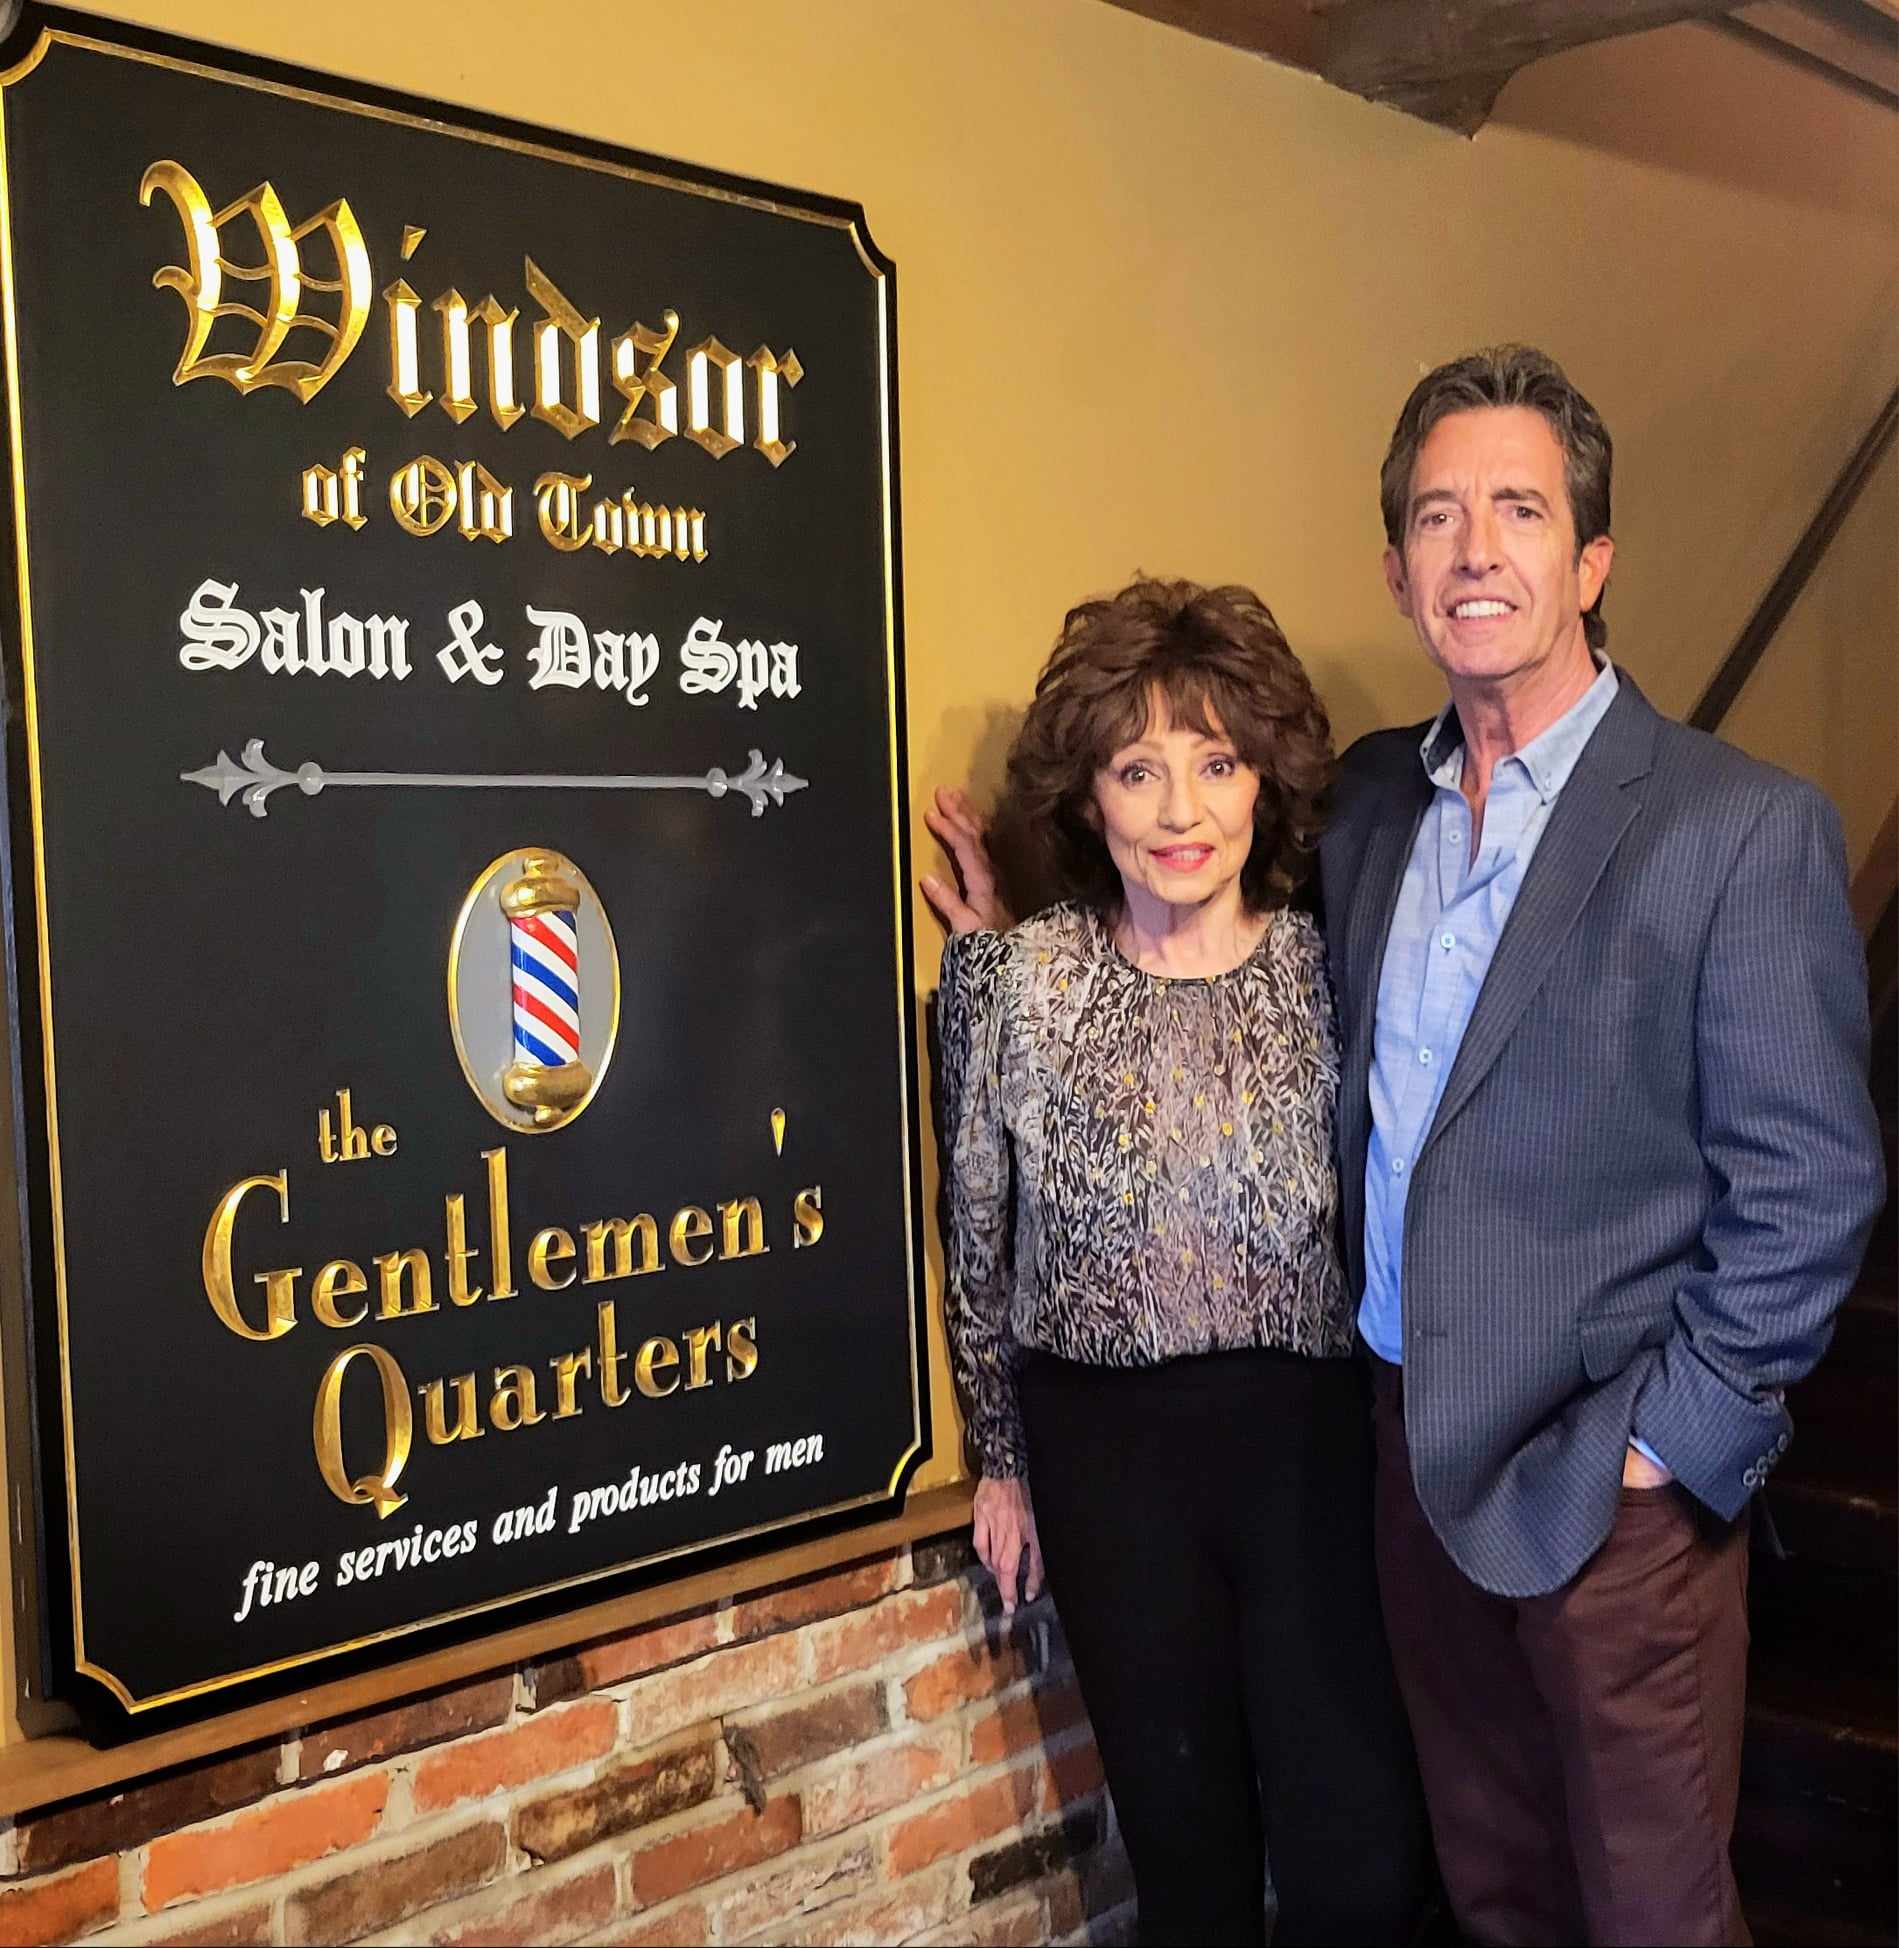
x=553, y=976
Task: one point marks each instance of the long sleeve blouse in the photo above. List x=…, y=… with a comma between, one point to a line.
x=1139, y=1167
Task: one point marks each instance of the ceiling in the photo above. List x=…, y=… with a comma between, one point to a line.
x=1446, y=61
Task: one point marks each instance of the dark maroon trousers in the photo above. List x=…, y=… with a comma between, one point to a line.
x=1581, y=1751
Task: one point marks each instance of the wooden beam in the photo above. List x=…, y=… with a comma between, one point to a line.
x=1845, y=38
x=1447, y=62
x=1282, y=30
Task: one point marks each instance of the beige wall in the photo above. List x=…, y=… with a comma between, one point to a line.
x=1160, y=300
x=1825, y=699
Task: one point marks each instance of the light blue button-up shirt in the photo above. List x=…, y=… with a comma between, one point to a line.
x=1450, y=914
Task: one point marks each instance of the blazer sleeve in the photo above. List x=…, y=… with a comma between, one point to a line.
x=975, y=1152
x=1791, y=1142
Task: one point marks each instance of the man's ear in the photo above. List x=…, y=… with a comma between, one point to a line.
x=1593, y=562
x=1395, y=581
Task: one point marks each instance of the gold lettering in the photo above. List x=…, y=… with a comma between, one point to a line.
x=502, y=403
x=654, y=1357
x=512, y=1403
x=467, y=1426
x=566, y=1367
x=557, y=507
x=741, y=1349
x=560, y=321
x=382, y=1139
x=335, y=494
x=688, y=1227
x=338, y=1279
x=634, y=382
x=698, y=1339
x=743, y=1212
x=487, y=506
x=621, y=1231
x=422, y=495
x=704, y=358
x=405, y=364
x=200, y=285
x=392, y=1264
x=499, y=1255
x=378, y=1487
x=769, y=369
x=279, y=1286
x=807, y=1211
x=611, y=1391
x=550, y=1246
x=460, y=1292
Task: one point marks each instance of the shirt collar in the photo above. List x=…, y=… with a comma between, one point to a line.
x=1547, y=759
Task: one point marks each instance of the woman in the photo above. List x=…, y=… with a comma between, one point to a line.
x=1145, y=1301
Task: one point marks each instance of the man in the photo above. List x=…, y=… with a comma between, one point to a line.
x=1607, y=1165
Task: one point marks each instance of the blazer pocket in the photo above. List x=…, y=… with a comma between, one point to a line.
x=1609, y=1343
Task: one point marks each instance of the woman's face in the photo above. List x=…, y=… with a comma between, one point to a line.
x=1177, y=810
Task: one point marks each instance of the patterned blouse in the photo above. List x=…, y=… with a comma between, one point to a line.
x=1168, y=1143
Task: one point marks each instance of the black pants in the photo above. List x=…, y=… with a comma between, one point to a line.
x=1207, y=1527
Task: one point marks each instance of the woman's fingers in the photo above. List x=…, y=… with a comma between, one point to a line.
x=960, y=831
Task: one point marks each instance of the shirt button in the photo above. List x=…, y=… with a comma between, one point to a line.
x=1424, y=1056
x=1397, y=1166
x=1447, y=941
x=1455, y=835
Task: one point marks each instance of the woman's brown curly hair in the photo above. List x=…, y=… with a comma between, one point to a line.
x=1213, y=655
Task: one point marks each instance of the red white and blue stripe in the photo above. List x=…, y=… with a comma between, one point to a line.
x=545, y=951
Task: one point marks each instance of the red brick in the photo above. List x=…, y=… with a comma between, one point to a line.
x=380, y=1893
x=630, y=1795
x=1017, y=1921
x=728, y=1680
x=59, y=1910
x=547, y=1913
x=1018, y=1723
x=1066, y=1903
x=243, y=1928
x=266, y=1841
x=812, y=1597
x=683, y=1926
x=350, y=1742
x=911, y=1617
x=615, y=1659
x=554, y=1742
x=688, y=1860
x=812, y=1877
x=977, y=1813
x=977, y=1668
x=878, y=1781
x=892, y=1913
x=1072, y=1774
x=117, y=1822
x=801, y=1734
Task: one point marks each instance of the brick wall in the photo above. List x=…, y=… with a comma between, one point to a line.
x=869, y=1755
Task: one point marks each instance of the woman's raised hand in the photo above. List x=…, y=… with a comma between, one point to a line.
x=1004, y=1534
x=971, y=901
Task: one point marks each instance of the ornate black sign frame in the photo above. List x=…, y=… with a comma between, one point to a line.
x=280, y=1070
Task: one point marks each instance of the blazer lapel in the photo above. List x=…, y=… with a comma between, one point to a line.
x=1403, y=800
x=1596, y=807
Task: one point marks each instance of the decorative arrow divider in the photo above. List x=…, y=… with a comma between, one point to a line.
x=256, y=778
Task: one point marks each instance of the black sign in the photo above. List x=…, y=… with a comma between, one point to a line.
x=457, y=866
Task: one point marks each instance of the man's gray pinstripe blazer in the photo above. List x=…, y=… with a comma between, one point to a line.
x=1655, y=1162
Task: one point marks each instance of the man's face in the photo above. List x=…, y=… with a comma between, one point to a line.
x=1488, y=572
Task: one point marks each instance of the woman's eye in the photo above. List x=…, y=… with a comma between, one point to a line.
x=1134, y=774
x=1221, y=767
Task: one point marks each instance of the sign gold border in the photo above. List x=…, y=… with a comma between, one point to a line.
x=443, y=125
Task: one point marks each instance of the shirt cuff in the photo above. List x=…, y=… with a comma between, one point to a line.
x=1648, y=1453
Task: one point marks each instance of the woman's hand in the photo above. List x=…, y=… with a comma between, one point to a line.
x=1005, y=1538
x=973, y=902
